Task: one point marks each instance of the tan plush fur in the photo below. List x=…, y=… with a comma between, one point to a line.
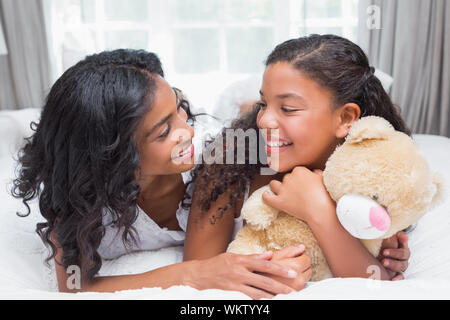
x=376, y=162
x=278, y=230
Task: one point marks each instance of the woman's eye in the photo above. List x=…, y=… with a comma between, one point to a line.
x=166, y=132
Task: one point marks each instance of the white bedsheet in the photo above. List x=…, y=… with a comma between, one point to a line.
x=23, y=274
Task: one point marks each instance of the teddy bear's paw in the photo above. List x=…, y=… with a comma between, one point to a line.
x=240, y=247
x=247, y=241
x=256, y=213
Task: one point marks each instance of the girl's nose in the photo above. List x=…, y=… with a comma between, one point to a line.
x=267, y=120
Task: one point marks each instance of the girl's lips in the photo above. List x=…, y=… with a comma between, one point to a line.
x=275, y=144
x=270, y=138
x=273, y=149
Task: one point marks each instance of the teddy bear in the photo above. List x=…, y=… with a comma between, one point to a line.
x=381, y=184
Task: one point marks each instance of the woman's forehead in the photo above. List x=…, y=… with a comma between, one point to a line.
x=161, y=107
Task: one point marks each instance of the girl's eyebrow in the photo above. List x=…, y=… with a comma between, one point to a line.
x=286, y=95
x=290, y=95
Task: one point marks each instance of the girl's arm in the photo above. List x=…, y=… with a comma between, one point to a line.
x=303, y=195
x=346, y=255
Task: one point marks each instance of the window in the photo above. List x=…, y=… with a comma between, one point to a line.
x=204, y=44
x=331, y=16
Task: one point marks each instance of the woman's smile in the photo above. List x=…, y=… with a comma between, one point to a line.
x=184, y=152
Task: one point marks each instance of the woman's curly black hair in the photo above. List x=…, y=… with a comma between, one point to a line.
x=82, y=158
x=338, y=65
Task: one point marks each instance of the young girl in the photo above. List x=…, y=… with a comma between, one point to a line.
x=106, y=162
x=313, y=89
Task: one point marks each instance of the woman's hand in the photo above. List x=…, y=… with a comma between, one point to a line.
x=244, y=273
x=302, y=194
x=293, y=257
x=394, y=255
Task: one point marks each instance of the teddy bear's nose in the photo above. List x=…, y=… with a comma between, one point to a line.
x=379, y=218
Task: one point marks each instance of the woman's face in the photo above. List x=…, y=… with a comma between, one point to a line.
x=297, y=113
x=163, y=137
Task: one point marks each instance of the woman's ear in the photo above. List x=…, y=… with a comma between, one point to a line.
x=346, y=115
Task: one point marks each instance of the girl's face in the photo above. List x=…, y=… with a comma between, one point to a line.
x=163, y=138
x=297, y=112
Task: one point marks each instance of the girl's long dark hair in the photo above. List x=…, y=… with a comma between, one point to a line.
x=338, y=65
x=82, y=159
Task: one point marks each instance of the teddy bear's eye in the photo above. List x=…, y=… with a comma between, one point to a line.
x=375, y=197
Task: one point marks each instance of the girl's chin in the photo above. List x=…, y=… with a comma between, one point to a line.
x=279, y=167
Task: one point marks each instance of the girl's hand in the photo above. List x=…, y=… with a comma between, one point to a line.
x=293, y=257
x=245, y=273
x=302, y=194
x=394, y=255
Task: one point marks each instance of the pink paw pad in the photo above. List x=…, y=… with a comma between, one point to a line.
x=379, y=218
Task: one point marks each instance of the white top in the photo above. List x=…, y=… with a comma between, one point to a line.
x=150, y=236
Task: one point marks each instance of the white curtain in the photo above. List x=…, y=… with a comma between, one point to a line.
x=24, y=77
x=3, y=49
x=412, y=43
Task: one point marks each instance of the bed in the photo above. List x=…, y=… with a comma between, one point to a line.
x=24, y=275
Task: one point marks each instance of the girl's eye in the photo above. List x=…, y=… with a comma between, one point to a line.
x=260, y=105
x=287, y=110
x=166, y=132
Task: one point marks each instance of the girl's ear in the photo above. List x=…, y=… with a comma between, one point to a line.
x=346, y=115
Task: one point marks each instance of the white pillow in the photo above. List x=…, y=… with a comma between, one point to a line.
x=430, y=240
x=14, y=127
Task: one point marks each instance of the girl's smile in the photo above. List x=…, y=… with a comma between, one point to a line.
x=274, y=144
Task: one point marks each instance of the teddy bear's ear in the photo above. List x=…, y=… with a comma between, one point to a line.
x=441, y=190
x=369, y=128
